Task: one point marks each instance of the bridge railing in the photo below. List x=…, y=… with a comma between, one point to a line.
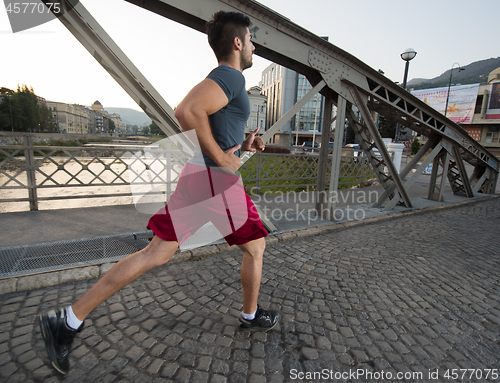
x=32, y=173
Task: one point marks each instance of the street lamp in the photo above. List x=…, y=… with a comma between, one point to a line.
x=449, y=86
x=408, y=55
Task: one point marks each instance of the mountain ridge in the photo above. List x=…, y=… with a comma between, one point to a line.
x=130, y=116
x=476, y=72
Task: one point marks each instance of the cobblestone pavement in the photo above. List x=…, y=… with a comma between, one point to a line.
x=417, y=294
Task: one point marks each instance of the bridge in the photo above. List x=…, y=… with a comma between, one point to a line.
x=346, y=82
x=388, y=299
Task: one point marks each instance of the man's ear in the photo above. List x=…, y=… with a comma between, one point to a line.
x=237, y=44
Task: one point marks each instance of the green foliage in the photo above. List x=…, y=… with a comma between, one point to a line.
x=387, y=126
x=415, y=146
x=301, y=170
x=274, y=149
x=155, y=129
x=26, y=112
x=111, y=125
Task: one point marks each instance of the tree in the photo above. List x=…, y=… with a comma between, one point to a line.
x=415, y=146
x=155, y=129
x=26, y=112
x=145, y=129
x=387, y=126
x=111, y=126
x=6, y=108
x=47, y=122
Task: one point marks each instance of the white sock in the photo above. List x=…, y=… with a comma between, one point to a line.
x=71, y=319
x=248, y=316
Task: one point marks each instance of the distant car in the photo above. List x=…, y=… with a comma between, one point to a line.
x=309, y=145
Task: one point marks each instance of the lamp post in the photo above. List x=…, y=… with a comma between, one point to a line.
x=408, y=55
x=449, y=86
x=11, y=119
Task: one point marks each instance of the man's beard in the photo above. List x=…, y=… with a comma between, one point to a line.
x=245, y=63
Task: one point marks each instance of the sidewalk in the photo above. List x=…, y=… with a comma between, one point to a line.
x=417, y=295
x=45, y=226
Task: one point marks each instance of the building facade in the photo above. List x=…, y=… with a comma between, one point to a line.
x=69, y=118
x=98, y=118
x=77, y=119
x=258, y=111
x=283, y=87
x=485, y=124
x=117, y=120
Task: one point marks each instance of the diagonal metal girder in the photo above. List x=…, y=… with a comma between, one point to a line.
x=286, y=117
x=365, y=142
x=462, y=173
x=438, y=180
x=107, y=53
x=431, y=143
x=360, y=103
x=409, y=183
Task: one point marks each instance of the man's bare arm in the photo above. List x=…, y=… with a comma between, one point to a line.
x=203, y=100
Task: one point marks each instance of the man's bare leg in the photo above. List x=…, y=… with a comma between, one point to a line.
x=157, y=253
x=251, y=273
x=253, y=317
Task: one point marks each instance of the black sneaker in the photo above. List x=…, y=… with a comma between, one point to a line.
x=58, y=337
x=264, y=321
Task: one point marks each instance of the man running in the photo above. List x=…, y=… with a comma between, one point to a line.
x=217, y=110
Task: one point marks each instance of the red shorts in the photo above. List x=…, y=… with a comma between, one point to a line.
x=208, y=195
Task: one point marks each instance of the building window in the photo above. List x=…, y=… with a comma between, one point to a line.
x=491, y=137
x=493, y=134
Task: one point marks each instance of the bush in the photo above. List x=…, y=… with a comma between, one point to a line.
x=415, y=146
x=275, y=149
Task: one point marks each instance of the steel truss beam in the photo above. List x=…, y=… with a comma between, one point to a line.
x=325, y=208
x=323, y=156
x=438, y=180
x=375, y=135
x=102, y=47
x=409, y=183
x=366, y=143
x=431, y=143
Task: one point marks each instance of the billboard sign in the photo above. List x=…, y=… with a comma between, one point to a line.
x=493, y=108
x=461, y=101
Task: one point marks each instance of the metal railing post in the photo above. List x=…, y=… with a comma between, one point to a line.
x=259, y=162
x=29, y=156
x=362, y=163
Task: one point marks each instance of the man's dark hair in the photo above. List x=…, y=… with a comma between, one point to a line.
x=222, y=30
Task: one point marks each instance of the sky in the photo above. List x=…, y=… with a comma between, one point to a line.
x=174, y=58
